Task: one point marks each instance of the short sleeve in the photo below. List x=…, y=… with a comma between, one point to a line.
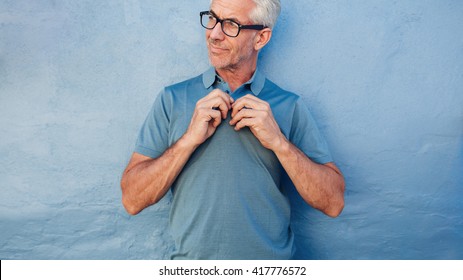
x=153, y=137
x=306, y=135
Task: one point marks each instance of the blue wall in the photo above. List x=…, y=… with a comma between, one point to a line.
x=383, y=78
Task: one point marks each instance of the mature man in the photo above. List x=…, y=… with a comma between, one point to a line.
x=228, y=144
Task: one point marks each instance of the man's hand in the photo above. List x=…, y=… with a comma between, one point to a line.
x=321, y=186
x=208, y=115
x=256, y=114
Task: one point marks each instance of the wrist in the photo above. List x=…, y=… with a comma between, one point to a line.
x=186, y=143
x=282, y=145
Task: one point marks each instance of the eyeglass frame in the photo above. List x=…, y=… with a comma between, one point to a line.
x=218, y=20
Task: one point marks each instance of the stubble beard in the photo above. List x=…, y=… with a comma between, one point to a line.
x=227, y=62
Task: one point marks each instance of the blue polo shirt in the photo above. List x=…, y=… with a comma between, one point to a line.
x=229, y=201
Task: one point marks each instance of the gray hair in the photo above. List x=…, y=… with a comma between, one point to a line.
x=266, y=12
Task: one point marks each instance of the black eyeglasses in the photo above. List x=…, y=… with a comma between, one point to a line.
x=229, y=27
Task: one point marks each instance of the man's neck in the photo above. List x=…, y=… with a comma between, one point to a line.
x=235, y=77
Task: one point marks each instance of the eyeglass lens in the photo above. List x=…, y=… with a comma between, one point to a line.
x=229, y=27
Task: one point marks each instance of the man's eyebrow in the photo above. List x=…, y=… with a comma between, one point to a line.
x=232, y=18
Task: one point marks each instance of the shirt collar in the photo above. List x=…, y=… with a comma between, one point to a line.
x=209, y=77
x=256, y=83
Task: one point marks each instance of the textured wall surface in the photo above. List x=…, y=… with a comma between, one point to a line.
x=383, y=78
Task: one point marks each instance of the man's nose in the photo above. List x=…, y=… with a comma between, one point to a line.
x=216, y=32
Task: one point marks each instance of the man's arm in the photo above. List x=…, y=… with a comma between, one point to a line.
x=146, y=180
x=321, y=186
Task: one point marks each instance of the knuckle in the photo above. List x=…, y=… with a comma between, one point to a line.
x=199, y=103
x=202, y=111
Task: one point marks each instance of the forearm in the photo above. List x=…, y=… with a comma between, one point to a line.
x=321, y=186
x=147, y=180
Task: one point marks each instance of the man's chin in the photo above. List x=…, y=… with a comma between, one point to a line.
x=218, y=64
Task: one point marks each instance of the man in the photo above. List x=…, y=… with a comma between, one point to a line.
x=228, y=144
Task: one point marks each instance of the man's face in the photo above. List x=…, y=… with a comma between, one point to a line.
x=227, y=52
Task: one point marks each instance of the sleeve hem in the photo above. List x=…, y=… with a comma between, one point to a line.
x=147, y=152
x=322, y=160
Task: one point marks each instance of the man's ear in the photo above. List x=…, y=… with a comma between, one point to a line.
x=262, y=38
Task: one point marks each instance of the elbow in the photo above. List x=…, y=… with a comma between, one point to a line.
x=335, y=210
x=337, y=205
x=130, y=207
x=133, y=208
x=133, y=203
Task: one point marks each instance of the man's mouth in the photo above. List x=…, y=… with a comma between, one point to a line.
x=216, y=49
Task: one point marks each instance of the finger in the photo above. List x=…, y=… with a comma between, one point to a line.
x=219, y=93
x=215, y=118
x=215, y=101
x=251, y=98
x=248, y=102
x=213, y=96
x=244, y=113
x=218, y=104
x=243, y=123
